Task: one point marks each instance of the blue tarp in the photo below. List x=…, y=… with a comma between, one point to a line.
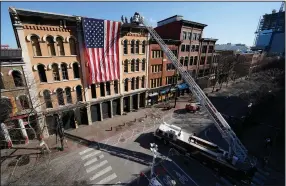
x=165, y=91
x=183, y=86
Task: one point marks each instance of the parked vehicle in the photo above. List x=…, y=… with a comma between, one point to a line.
x=192, y=107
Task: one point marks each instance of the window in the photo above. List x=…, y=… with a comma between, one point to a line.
x=184, y=35
x=170, y=66
x=174, y=52
x=51, y=46
x=182, y=60
x=156, y=68
x=78, y=93
x=193, y=48
x=187, y=48
x=72, y=46
x=194, y=36
x=133, y=84
x=143, y=65
x=204, y=50
x=189, y=35
x=60, y=45
x=56, y=73
x=183, y=48
x=209, y=59
x=211, y=48
x=194, y=73
x=197, y=48
x=75, y=67
x=143, y=82
x=137, y=82
x=169, y=80
x=47, y=98
x=116, y=87
x=126, y=85
x=201, y=73
x=64, y=68
x=137, y=47
x=137, y=65
x=93, y=90
x=132, y=46
x=60, y=96
x=191, y=60
x=198, y=36
x=42, y=73
x=186, y=61
x=36, y=46
x=126, y=66
x=24, y=101
x=196, y=60
x=143, y=47
x=125, y=47
x=18, y=79
x=207, y=72
x=157, y=53
x=102, y=92
x=68, y=95
x=108, y=88
x=202, y=62
x=133, y=65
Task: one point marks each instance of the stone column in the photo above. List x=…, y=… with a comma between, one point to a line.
x=88, y=109
x=130, y=103
x=100, y=109
x=138, y=101
x=129, y=84
x=97, y=89
x=112, y=88
x=111, y=109
x=121, y=105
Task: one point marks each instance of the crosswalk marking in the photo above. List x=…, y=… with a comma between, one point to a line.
x=96, y=166
x=85, y=151
x=91, y=154
x=107, y=179
x=102, y=172
x=93, y=160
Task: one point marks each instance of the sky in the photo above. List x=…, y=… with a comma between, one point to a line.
x=229, y=22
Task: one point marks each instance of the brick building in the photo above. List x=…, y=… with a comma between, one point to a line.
x=52, y=63
x=134, y=50
x=162, y=73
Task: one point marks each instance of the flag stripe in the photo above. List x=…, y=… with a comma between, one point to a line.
x=102, y=49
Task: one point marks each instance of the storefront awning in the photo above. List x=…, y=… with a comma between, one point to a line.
x=183, y=86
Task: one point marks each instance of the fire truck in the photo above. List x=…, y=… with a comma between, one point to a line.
x=209, y=154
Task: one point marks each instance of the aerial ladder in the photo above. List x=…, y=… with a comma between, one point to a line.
x=236, y=148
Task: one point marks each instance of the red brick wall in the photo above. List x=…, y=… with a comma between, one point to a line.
x=170, y=30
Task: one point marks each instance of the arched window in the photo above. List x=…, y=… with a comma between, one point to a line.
x=68, y=95
x=143, y=47
x=133, y=84
x=143, y=82
x=126, y=85
x=107, y=88
x=47, y=98
x=51, y=45
x=56, y=73
x=18, y=79
x=132, y=46
x=182, y=60
x=137, y=47
x=125, y=47
x=116, y=86
x=36, y=46
x=75, y=70
x=24, y=101
x=143, y=65
x=137, y=65
x=42, y=72
x=137, y=82
x=64, y=68
x=72, y=46
x=78, y=93
x=186, y=61
x=60, y=45
x=133, y=65
x=126, y=66
x=60, y=96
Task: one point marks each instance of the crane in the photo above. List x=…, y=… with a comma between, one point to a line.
x=235, y=146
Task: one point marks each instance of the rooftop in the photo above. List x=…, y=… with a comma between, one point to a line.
x=232, y=47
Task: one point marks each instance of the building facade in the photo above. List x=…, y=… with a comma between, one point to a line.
x=52, y=63
x=134, y=48
x=16, y=105
x=162, y=73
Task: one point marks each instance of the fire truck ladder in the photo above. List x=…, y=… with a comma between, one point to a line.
x=235, y=146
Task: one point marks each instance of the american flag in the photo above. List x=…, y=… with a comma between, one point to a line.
x=101, y=39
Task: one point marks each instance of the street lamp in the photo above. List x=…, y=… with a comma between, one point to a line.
x=154, y=149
